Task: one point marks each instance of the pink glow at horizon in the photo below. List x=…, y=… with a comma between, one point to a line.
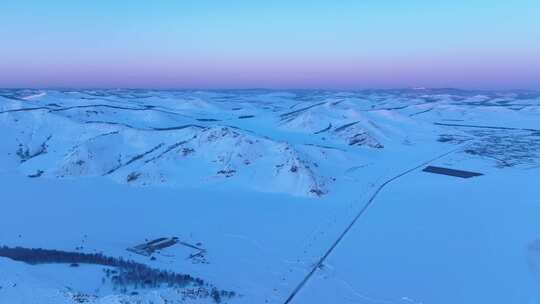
x=353, y=75
x=242, y=44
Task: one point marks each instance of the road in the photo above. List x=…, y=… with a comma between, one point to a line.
x=321, y=261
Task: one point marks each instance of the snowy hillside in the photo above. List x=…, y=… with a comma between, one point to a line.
x=261, y=196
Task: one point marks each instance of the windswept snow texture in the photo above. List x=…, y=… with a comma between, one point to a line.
x=271, y=197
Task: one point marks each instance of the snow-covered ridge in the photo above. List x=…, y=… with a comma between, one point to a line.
x=192, y=138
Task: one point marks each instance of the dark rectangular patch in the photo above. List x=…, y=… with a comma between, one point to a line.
x=451, y=172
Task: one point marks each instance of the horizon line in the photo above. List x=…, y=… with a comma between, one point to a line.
x=272, y=89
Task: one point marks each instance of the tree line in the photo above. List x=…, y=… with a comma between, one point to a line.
x=127, y=273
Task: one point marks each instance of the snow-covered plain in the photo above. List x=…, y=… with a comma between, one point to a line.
x=268, y=183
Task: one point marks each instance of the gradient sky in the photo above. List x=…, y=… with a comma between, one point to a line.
x=347, y=44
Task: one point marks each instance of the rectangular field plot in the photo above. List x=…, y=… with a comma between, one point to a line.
x=451, y=172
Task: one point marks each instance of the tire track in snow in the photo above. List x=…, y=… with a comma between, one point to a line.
x=360, y=213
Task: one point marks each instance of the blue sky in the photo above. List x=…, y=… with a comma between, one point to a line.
x=277, y=44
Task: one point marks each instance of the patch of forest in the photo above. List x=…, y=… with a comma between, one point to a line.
x=127, y=274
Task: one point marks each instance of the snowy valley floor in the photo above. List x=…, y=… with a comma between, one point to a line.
x=258, y=188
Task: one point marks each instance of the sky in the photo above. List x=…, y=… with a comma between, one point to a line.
x=205, y=44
